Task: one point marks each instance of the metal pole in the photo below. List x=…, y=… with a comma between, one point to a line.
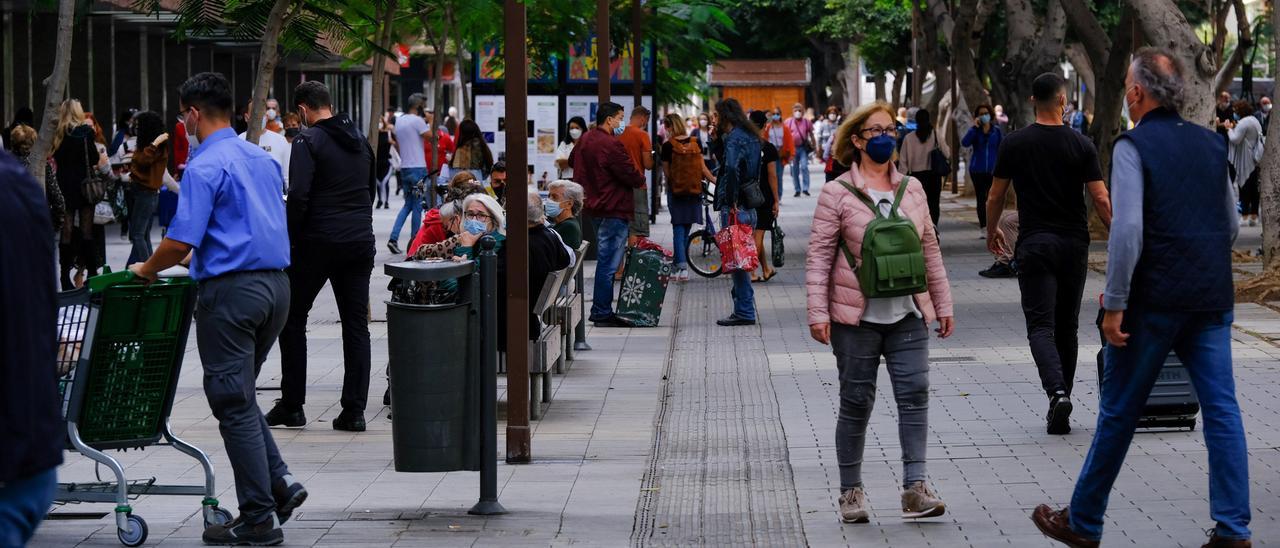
x=488, y=504
x=517, y=95
x=604, y=77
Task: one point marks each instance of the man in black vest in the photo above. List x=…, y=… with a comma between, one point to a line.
x=332, y=183
x=1168, y=288
x=1049, y=165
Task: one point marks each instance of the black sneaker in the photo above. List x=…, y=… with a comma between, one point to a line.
x=289, y=495
x=239, y=533
x=806, y=193
x=393, y=247
x=732, y=321
x=797, y=195
x=349, y=421
x=1059, y=417
x=286, y=415
x=999, y=270
x=611, y=321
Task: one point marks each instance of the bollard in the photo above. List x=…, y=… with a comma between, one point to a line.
x=580, y=330
x=488, y=504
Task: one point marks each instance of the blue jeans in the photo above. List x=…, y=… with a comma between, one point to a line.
x=780, y=168
x=611, y=241
x=1202, y=342
x=680, y=238
x=142, y=210
x=744, y=296
x=412, y=204
x=799, y=170
x=23, y=505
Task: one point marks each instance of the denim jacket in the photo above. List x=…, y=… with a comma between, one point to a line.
x=741, y=163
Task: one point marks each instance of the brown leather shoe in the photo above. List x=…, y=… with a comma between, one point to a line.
x=1057, y=526
x=1216, y=541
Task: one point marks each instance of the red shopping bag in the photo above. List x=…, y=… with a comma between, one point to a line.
x=737, y=246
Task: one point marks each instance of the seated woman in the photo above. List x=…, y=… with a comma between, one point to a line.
x=562, y=206
x=547, y=254
x=460, y=186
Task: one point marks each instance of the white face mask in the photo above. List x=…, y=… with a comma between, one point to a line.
x=797, y=114
x=575, y=133
x=192, y=137
x=832, y=116
x=271, y=114
x=1266, y=107
x=702, y=122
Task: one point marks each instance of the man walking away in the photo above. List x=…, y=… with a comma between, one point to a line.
x=603, y=168
x=31, y=440
x=802, y=132
x=640, y=148
x=411, y=130
x=231, y=220
x=1047, y=163
x=330, y=213
x=1168, y=288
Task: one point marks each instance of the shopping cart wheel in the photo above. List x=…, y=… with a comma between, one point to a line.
x=137, y=533
x=216, y=515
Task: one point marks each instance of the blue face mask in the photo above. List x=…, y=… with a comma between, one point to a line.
x=552, y=208
x=985, y=119
x=1235, y=117
x=880, y=149
x=776, y=117
x=474, y=226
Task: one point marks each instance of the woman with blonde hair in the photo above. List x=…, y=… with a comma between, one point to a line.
x=862, y=329
x=76, y=156
x=686, y=209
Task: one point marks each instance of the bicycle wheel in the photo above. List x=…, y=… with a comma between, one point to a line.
x=703, y=254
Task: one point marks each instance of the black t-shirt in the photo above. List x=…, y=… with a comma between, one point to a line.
x=1049, y=166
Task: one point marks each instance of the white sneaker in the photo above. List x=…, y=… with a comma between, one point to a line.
x=1253, y=221
x=982, y=233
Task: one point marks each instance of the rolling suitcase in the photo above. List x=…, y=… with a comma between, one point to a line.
x=1173, y=402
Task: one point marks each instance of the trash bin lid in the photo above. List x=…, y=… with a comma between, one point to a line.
x=429, y=270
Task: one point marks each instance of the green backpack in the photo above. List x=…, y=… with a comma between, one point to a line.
x=892, y=256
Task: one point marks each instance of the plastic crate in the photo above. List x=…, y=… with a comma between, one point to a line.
x=124, y=391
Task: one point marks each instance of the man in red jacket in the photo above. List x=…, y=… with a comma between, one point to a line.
x=609, y=177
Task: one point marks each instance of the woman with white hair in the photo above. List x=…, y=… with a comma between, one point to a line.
x=547, y=254
x=562, y=206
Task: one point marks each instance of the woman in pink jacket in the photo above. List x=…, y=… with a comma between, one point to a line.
x=861, y=330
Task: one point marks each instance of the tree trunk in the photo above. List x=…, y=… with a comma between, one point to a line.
x=1228, y=71
x=464, y=110
x=899, y=79
x=852, y=75
x=1270, y=203
x=437, y=42
x=880, y=91
x=1084, y=67
x=1109, y=99
x=268, y=56
x=1034, y=47
x=386, y=14
x=55, y=89
x=1164, y=25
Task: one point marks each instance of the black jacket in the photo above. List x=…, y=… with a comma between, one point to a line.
x=547, y=254
x=332, y=182
x=31, y=434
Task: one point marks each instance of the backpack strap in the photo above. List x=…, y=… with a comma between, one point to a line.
x=862, y=196
x=897, y=199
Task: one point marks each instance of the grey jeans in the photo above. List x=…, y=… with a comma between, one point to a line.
x=905, y=346
x=238, y=317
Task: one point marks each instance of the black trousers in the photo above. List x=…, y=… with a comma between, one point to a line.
x=347, y=268
x=1250, y=193
x=1051, y=275
x=981, y=187
x=933, y=191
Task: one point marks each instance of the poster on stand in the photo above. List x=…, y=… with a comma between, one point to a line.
x=542, y=125
x=585, y=106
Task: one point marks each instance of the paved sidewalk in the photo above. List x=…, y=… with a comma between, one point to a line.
x=744, y=451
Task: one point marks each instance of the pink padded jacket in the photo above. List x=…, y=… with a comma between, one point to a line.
x=834, y=295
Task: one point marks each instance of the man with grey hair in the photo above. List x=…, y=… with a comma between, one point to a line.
x=1168, y=288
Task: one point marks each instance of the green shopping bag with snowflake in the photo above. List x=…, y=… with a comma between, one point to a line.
x=644, y=283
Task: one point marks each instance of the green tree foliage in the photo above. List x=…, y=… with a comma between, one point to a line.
x=687, y=35
x=879, y=29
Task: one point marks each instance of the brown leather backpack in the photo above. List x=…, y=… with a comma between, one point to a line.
x=686, y=168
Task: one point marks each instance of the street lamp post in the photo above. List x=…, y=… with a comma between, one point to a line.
x=516, y=87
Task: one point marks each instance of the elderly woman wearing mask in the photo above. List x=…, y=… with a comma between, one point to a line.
x=562, y=206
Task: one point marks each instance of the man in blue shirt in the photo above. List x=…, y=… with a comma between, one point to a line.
x=231, y=220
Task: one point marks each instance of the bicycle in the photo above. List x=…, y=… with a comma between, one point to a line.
x=700, y=248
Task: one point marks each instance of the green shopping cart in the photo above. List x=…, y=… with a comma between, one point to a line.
x=120, y=348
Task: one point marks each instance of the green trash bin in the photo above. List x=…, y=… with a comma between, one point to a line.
x=433, y=358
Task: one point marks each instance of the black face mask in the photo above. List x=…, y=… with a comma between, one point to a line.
x=292, y=132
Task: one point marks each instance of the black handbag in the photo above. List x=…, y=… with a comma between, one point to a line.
x=939, y=164
x=777, y=237
x=94, y=186
x=751, y=191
